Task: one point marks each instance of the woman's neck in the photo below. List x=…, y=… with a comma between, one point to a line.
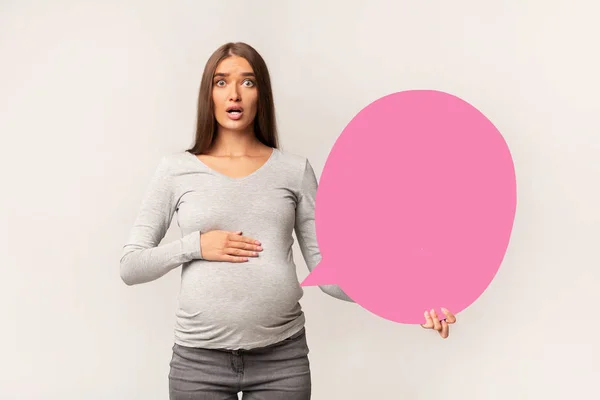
x=235, y=144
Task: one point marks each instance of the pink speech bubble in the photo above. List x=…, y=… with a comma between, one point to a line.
x=415, y=206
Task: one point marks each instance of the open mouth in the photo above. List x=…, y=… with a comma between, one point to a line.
x=234, y=110
x=234, y=113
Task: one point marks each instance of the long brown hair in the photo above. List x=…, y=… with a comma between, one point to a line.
x=265, y=126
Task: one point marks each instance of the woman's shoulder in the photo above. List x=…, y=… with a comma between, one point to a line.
x=178, y=159
x=176, y=162
x=293, y=160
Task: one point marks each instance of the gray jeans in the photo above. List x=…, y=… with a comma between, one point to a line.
x=277, y=372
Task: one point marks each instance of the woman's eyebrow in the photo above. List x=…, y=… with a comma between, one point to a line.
x=227, y=74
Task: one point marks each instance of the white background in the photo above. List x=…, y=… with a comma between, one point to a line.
x=92, y=93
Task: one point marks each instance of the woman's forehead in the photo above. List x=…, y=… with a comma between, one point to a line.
x=233, y=65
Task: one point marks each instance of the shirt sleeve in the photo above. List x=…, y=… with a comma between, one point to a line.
x=143, y=259
x=305, y=228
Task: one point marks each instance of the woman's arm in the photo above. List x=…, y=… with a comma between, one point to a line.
x=143, y=260
x=305, y=228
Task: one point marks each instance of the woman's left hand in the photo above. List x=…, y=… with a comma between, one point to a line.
x=443, y=327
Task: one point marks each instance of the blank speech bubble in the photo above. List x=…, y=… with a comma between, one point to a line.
x=415, y=206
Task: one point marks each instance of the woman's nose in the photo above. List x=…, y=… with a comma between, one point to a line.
x=234, y=94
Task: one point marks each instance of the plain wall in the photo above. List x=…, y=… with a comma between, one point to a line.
x=93, y=93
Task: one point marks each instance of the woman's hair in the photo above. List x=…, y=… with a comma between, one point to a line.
x=265, y=126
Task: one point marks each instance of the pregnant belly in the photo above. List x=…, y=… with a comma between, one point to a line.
x=261, y=292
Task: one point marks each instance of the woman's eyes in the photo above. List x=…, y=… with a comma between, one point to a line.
x=247, y=82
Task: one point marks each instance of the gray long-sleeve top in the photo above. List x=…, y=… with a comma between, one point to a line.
x=224, y=305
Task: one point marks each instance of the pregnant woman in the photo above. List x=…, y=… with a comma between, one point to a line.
x=237, y=198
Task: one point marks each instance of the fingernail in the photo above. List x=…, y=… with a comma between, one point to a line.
x=444, y=309
x=257, y=242
x=259, y=248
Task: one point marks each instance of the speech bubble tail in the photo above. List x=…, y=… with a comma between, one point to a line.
x=320, y=275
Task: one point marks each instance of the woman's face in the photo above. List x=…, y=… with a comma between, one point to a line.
x=235, y=94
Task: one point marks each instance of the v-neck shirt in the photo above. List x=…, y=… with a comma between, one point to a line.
x=225, y=305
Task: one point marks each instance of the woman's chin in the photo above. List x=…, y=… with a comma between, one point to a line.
x=231, y=125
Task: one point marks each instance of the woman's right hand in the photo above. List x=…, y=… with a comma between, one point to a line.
x=228, y=246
